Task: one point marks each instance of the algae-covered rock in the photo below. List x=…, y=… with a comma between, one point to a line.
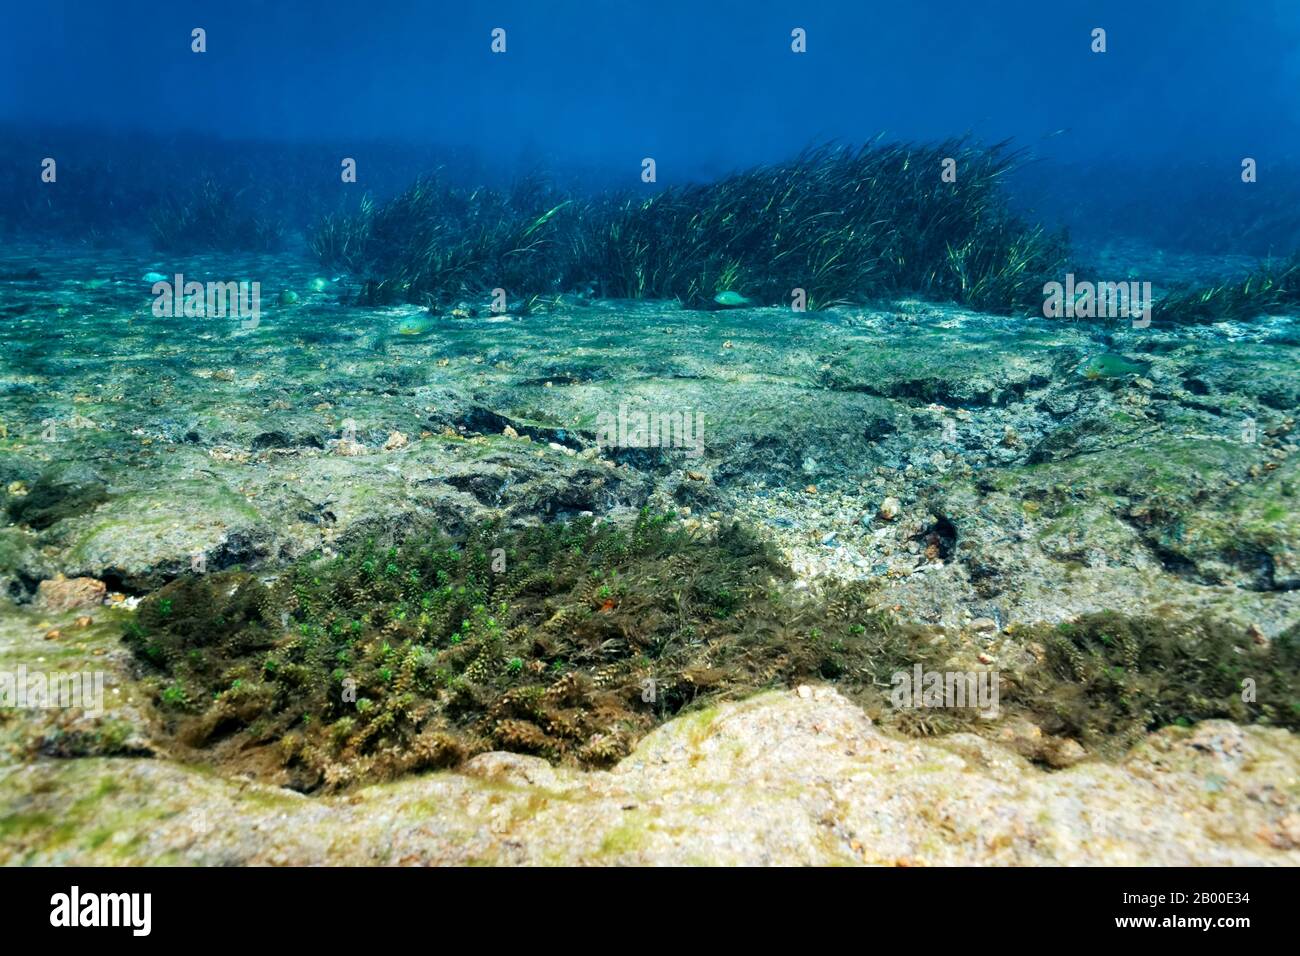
x=779, y=779
x=57, y=496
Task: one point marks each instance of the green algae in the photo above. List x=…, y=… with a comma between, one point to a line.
x=629, y=837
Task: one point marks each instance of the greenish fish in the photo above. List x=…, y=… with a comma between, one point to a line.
x=1110, y=365
x=415, y=325
x=730, y=299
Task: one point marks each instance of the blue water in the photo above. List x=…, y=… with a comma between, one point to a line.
x=591, y=87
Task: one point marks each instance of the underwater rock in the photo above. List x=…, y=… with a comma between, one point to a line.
x=1031, y=743
x=347, y=447
x=780, y=779
x=275, y=439
x=58, y=495
x=68, y=594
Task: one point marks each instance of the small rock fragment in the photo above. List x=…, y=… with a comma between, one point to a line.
x=66, y=594
x=349, y=448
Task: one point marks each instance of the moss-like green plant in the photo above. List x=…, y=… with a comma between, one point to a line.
x=387, y=660
x=1107, y=679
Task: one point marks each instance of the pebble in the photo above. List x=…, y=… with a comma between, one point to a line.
x=348, y=448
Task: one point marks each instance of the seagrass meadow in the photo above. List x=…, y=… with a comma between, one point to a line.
x=842, y=223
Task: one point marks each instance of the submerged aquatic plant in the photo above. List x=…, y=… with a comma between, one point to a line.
x=436, y=243
x=1273, y=288
x=1106, y=679
x=842, y=224
x=211, y=216
x=572, y=640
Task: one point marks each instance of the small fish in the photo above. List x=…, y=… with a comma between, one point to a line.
x=155, y=277
x=730, y=299
x=415, y=325
x=1110, y=365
